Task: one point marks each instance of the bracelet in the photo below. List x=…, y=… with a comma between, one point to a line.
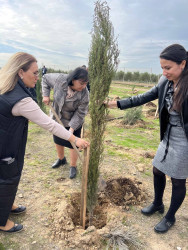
x=75, y=141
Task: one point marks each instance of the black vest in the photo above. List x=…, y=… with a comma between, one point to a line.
x=13, y=129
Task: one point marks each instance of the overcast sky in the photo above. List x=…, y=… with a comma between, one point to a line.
x=57, y=32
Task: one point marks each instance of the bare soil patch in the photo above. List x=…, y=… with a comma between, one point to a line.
x=120, y=192
x=53, y=203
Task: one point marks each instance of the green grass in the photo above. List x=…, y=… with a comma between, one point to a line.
x=8, y=244
x=148, y=173
x=2, y=246
x=125, y=90
x=112, y=152
x=133, y=137
x=120, y=138
x=122, y=93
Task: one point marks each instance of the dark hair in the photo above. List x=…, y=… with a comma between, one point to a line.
x=77, y=74
x=177, y=54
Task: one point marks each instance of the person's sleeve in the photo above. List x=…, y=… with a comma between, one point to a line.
x=30, y=110
x=79, y=115
x=48, y=82
x=138, y=100
x=141, y=99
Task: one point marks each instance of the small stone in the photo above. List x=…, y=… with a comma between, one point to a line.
x=139, y=198
x=128, y=196
x=60, y=220
x=34, y=242
x=91, y=229
x=140, y=167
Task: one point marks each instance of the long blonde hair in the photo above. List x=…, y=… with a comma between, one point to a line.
x=9, y=73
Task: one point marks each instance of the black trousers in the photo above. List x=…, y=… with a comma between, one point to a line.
x=9, y=179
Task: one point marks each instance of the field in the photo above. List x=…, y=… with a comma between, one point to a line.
x=125, y=186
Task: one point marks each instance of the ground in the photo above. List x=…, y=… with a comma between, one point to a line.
x=53, y=200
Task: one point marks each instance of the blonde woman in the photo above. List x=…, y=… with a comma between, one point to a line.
x=16, y=108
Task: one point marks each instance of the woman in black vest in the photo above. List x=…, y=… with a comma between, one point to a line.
x=16, y=108
x=172, y=155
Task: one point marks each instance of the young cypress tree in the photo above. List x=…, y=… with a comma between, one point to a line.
x=103, y=62
x=39, y=96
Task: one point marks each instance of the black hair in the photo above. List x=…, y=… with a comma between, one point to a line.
x=177, y=54
x=77, y=74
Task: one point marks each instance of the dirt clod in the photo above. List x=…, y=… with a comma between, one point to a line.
x=123, y=191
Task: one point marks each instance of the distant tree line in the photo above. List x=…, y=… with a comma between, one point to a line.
x=136, y=77
x=121, y=75
x=51, y=70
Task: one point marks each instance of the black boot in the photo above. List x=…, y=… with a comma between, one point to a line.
x=59, y=162
x=164, y=225
x=151, y=209
x=73, y=172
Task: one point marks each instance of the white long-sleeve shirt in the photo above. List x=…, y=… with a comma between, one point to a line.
x=30, y=110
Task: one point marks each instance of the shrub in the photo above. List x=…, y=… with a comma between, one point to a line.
x=132, y=115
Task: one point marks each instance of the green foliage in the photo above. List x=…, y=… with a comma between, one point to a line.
x=119, y=75
x=136, y=76
x=103, y=61
x=39, y=96
x=128, y=76
x=132, y=115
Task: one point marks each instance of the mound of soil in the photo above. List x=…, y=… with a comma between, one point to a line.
x=139, y=124
x=124, y=192
x=66, y=217
x=150, y=104
x=151, y=112
x=120, y=192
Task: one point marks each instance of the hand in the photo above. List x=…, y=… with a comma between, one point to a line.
x=81, y=143
x=46, y=100
x=111, y=104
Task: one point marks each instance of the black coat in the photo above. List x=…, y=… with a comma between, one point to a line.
x=157, y=92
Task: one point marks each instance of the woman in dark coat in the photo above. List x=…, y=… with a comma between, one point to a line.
x=172, y=155
x=16, y=108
